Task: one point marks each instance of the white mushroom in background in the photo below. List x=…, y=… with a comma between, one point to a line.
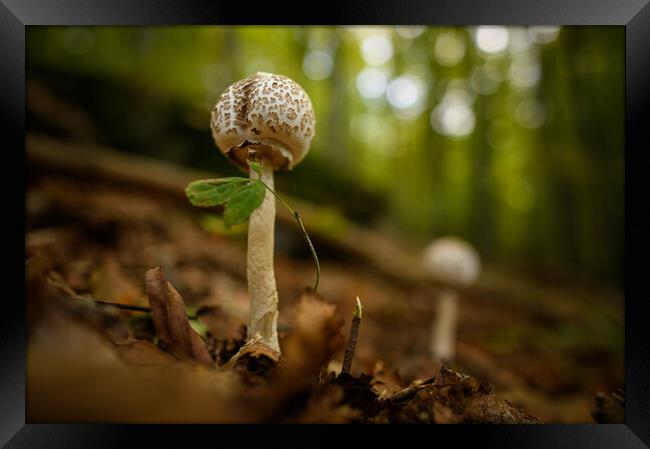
x=265, y=118
x=452, y=262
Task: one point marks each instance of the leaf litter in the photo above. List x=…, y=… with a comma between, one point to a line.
x=91, y=362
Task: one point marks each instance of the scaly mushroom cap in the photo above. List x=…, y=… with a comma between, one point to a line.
x=268, y=113
x=452, y=261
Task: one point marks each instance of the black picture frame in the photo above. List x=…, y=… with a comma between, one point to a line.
x=15, y=15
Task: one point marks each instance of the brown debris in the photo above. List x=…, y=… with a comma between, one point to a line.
x=454, y=398
x=71, y=360
x=315, y=339
x=168, y=312
x=125, y=377
x=76, y=375
x=609, y=408
x=327, y=406
x=109, y=281
x=255, y=360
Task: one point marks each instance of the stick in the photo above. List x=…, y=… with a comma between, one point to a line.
x=55, y=281
x=352, y=340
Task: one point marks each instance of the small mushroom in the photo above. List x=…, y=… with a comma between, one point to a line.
x=451, y=262
x=269, y=119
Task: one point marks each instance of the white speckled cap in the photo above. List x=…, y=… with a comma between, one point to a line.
x=452, y=260
x=268, y=113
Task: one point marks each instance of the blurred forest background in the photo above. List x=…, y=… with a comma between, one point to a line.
x=509, y=137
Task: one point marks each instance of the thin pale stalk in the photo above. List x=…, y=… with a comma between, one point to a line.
x=304, y=233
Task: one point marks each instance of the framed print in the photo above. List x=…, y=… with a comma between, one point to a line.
x=402, y=213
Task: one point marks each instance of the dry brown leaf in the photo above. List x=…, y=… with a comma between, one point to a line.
x=315, y=339
x=221, y=324
x=457, y=398
x=325, y=407
x=168, y=313
x=254, y=349
x=110, y=283
x=76, y=375
x=385, y=382
x=145, y=353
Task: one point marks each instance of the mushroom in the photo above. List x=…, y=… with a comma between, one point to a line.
x=269, y=119
x=453, y=263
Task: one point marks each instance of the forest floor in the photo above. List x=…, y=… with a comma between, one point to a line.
x=531, y=348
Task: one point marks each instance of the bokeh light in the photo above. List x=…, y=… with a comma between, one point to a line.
x=525, y=72
x=492, y=39
x=376, y=49
x=406, y=94
x=371, y=82
x=485, y=80
x=519, y=40
x=544, y=34
x=410, y=32
x=317, y=65
x=454, y=115
x=449, y=49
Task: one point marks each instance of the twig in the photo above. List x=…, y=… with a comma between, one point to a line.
x=352, y=340
x=56, y=281
x=409, y=391
x=119, y=306
x=405, y=393
x=303, y=230
x=129, y=307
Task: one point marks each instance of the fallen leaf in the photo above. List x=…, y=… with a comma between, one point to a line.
x=456, y=398
x=170, y=320
x=315, y=339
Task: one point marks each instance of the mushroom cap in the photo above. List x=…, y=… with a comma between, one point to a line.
x=270, y=114
x=452, y=261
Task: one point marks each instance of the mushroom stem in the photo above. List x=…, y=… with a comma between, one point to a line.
x=263, y=317
x=443, y=333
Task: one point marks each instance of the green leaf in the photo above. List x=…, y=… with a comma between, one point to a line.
x=240, y=196
x=243, y=202
x=256, y=166
x=213, y=192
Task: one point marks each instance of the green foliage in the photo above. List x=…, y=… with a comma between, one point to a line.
x=213, y=192
x=256, y=166
x=239, y=196
x=243, y=202
x=533, y=162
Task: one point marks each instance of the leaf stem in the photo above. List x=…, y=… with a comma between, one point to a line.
x=302, y=229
